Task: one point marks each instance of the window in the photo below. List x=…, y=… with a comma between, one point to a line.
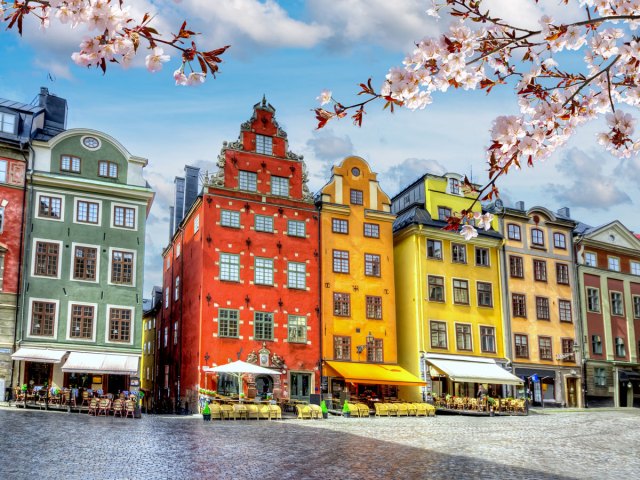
x=87, y=212
x=81, y=322
x=544, y=348
x=166, y=341
x=374, y=307
x=43, y=318
x=248, y=181
x=263, y=326
x=264, y=223
x=485, y=296
x=590, y=259
x=339, y=226
x=518, y=305
x=522, y=346
x=596, y=344
x=482, y=257
x=196, y=224
x=263, y=271
x=600, y=377
x=438, y=334
x=635, y=268
x=85, y=263
x=616, y=303
x=488, y=339
x=434, y=249
x=340, y=261
x=372, y=230
x=49, y=207
x=279, y=186
x=375, y=351
x=463, y=337
x=559, y=240
x=516, y=267
x=569, y=354
x=542, y=308
x=540, y=270
x=230, y=218
x=371, y=265
x=296, y=228
x=297, y=328
x=1, y=270
x=636, y=306
x=436, y=288
x=460, y=291
x=613, y=263
x=341, y=304
x=176, y=291
x=178, y=250
x=47, y=259
x=228, y=323
x=593, y=299
x=8, y=122
x=297, y=275
x=458, y=253
x=444, y=213
x=3, y=171
x=513, y=231
x=264, y=145
x=119, y=325
x=564, y=307
x=124, y=217
x=175, y=333
x=107, y=169
x=562, y=273
x=69, y=163
x=229, y=267
x=454, y=186
x=537, y=237
x=342, y=348
x=166, y=298
x=356, y=197
x=620, y=350
x=122, y=267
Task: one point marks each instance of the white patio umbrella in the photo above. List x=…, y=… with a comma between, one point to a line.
x=238, y=368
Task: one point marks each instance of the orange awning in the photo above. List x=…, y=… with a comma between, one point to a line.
x=374, y=373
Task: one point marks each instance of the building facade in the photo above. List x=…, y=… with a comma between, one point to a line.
x=448, y=293
x=542, y=325
x=608, y=279
x=241, y=273
x=81, y=308
x=150, y=318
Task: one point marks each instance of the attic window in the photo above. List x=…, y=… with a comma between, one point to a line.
x=8, y=123
x=454, y=186
x=264, y=145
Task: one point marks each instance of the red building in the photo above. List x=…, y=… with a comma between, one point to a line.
x=241, y=273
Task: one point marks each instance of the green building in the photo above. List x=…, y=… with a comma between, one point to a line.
x=80, y=315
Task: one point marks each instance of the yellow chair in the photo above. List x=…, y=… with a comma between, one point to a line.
x=304, y=412
x=276, y=412
x=421, y=409
x=382, y=409
x=252, y=412
x=216, y=411
x=412, y=410
x=353, y=410
x=240, y=411
x=431, y=410
x=264, y=411
x=226, y=412
x=363, y=410
x=392, y=409
x=316, y=411
x=403, y=411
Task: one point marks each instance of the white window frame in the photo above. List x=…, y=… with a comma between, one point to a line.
x=49, y=194
x=73, y=257
x=70, y=303
x=4, y=165
x=77, y=200
x=166, y=298
x=176, y=291
x=634, y=268
x=296, y=327
x=33, y=257
x=4, y=122
x=294, y=274
x=112, y=214
x=613, y=263
x=196, y=224
x=135, y=269
x=264, y=144
x=266, y=269
x=55, y=321
x=588, y=256
x=131, y=330
x=237, y=263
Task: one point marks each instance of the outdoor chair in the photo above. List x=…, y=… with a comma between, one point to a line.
x=117, y=407
x=104, y=406
x=264, y=411
x=412, y=410
x=252, y=412
x=402, y=410
x=421, y=409
x=392, y=408
x=431, y=410
x=216, y=411
x=240, y=411
x=226, y=412
x=276, y=412
x=303, y=411
x=316, y=411
x=363, y=410
x=85, y=399
x=93, y=406
x=382, y=409
x=130, y=408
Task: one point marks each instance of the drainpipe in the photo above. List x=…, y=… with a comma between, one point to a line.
x=506, y=306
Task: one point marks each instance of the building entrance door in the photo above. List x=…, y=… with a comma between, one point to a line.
x=300, y=386
x=572, y=393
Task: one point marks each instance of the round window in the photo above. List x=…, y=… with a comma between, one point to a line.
x=355, y=171
x=91, y=142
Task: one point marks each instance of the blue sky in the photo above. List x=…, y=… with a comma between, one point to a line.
x=290, y=51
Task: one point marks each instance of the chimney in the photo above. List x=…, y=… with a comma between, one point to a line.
x=520, y=205
x=191, y=186
x=178, y=202
x=171, y=223
x=564, y=212
x=55, y=112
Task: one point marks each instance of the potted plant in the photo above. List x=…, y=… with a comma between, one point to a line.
x=325, y=410
x=345, y=410
x=492, y=403
x=24, y=387
x=206, y=413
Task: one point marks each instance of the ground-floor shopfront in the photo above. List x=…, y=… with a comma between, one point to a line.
x=611, y=384
x=547, y=385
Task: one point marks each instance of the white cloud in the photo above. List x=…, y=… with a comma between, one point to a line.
x=406, y=172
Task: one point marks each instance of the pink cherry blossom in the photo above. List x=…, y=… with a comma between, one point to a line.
x=154, y=60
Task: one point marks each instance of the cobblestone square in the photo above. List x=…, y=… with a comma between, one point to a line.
x=584, y=445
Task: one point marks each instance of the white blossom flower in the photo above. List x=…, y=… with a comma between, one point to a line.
x=324, y=97
x=154, y=60
x=468, y=232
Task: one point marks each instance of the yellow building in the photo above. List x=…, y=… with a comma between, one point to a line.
x=150, y=313
x=448, y=294
x=359, y=348
x=540, y=302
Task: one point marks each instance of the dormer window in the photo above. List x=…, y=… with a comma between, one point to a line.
x=454, y=186
x=264, y=145
x=108, y=169
x=69, y=163
x=8, y=123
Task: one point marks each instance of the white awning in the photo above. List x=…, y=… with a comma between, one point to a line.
x=104, y=363
x=42, y=355
x=472, y=369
